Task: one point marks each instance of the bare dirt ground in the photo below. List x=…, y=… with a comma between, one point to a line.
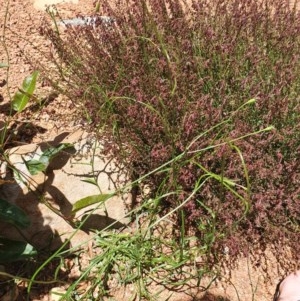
x=23, y=22
x=23, y=19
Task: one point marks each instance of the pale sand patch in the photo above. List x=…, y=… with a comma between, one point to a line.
x=42, y=4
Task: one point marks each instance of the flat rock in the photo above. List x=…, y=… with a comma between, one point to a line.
x=42, y=4
x=48, y=197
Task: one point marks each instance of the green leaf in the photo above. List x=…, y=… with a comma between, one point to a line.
x=35, y=166
x=90, y=200
x=3, y=65
x=51, y=152
x=14, y=215
x=90, y=181
x=22, y=97
x=13, y=250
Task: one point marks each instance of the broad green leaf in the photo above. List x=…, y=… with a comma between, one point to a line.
x=3, y=65
x=22, y=97
x=35, y=166
x=51, y=152
x=12, y=214
x=90, y=200
x=13, y=250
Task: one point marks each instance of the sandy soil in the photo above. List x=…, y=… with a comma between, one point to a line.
x=19, y=36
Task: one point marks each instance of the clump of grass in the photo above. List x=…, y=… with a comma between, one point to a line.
x=168, y=80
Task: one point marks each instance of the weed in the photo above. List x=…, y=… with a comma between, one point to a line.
x=166, y=72
x=166, y=84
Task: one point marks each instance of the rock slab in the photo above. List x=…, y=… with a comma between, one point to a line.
x=48, y=197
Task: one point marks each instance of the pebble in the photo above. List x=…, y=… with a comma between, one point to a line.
x=56, y=293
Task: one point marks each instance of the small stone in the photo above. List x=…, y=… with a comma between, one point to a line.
x=56, y=293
